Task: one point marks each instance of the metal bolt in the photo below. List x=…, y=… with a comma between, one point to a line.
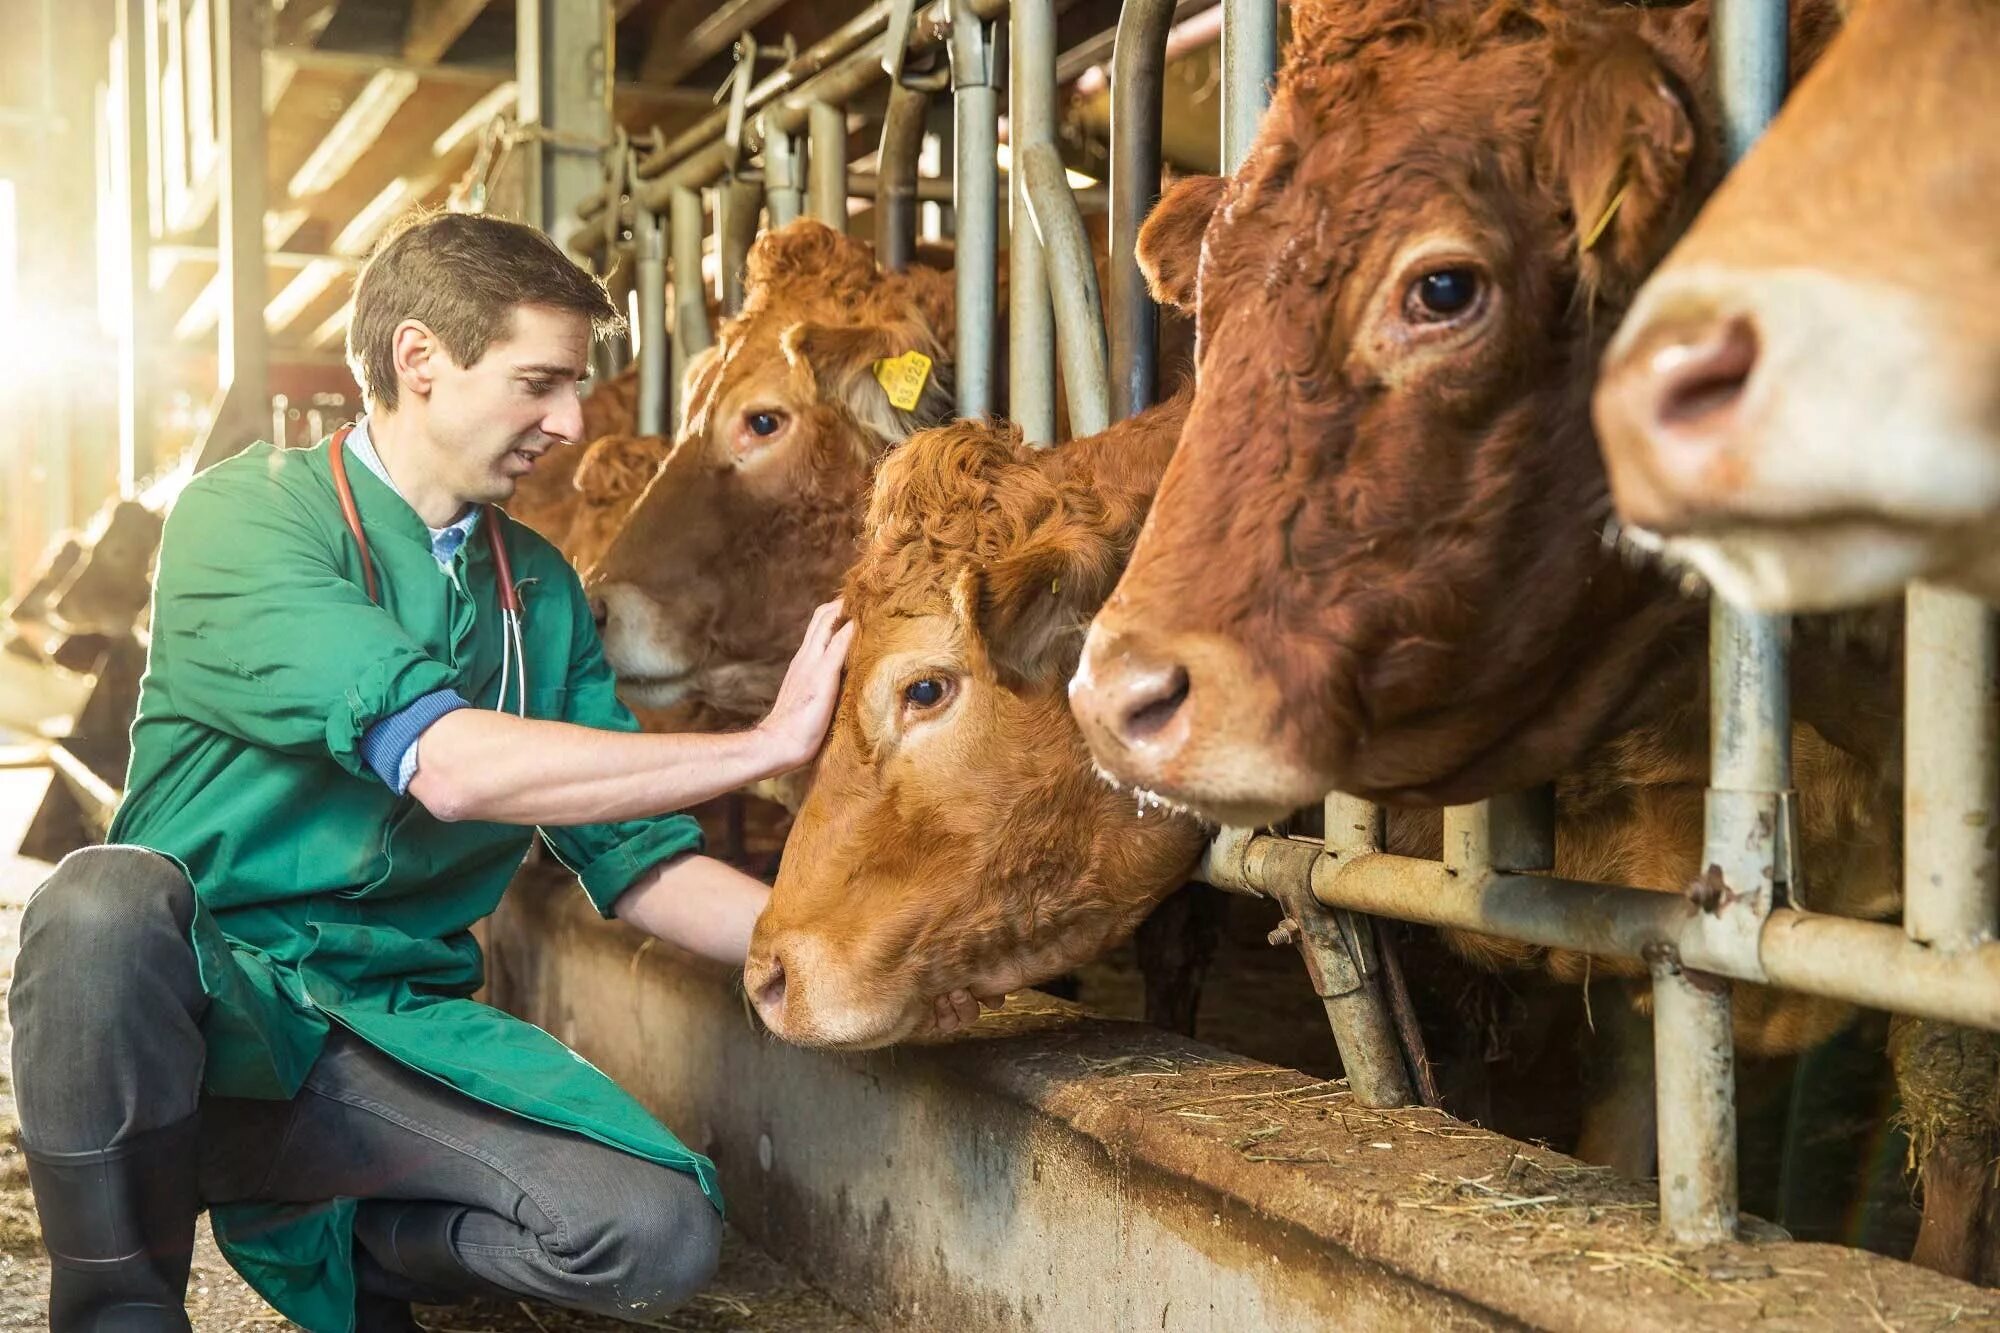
x=1286, y=933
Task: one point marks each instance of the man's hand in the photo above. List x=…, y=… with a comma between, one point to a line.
x=959, y=1009
x=797, y=723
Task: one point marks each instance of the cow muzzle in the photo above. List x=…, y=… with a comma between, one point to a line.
x=1189, y=718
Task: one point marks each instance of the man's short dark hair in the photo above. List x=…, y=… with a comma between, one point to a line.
x=460, y=275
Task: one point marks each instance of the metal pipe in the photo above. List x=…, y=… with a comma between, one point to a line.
x=1031, y=119
x=1747, y=838
x=1072, y=270
x=1868, y=963
x=737, y=206
x=1139, y=64
x=903, y=125
x=784, y=185
x=1951, y=767
x=691, y=332
x=652, y=331
x=975, y=205
x=1249, y=61
x=826, y=165
x=1694, y=1077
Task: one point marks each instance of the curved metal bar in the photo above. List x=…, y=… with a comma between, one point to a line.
x=903, y=125
x=1073, y=284
x=1138, y=64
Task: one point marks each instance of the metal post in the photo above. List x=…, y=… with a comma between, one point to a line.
x=903, y=126
x=1340, y=958
x=691, y=333
x=826, y=164
x=243, y=366
x=784, y=188
x=134, y=333
x=1249, y=60
x=562, y=56
x=1031, y=118
x=1951, y=766
x=975, y=204
x=737, y=204
x=652, y=330
x=1747, y=841
x=1138, y=64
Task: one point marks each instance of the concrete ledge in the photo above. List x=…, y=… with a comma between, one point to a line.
x=1056, y=1171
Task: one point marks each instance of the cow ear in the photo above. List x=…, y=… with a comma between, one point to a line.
x=1620, y=145
x=1170, y=240
x=845, y=364
x=1035, y=602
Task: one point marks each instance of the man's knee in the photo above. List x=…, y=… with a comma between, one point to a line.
x=655, y=1244
x=108, y=921
x=109, y=902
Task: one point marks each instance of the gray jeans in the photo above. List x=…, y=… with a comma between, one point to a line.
x=106, y=1006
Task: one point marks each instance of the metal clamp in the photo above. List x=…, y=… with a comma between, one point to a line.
x=736, y=88
x=1750, y=837
x=972, y=49
x=932, y=75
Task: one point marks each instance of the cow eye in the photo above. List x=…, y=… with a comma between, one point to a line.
x=763, y=423
x=1441, y=295
x=928, y=692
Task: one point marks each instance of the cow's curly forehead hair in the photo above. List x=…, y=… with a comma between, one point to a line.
x=460, y=275
x=960, y=494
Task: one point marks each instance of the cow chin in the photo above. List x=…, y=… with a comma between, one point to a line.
x=1800, y=569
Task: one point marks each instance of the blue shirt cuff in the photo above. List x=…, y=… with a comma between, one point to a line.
x=390, y=745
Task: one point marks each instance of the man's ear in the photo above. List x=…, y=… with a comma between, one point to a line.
x=1170, y=240
x=1620, y=144
x=414, y=350
x=842, y=362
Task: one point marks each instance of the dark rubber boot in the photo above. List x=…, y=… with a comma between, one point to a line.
x=119, y=1228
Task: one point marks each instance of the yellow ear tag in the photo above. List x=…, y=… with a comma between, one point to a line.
x=903, y=379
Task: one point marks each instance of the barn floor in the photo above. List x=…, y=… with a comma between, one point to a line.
x=751, y=1294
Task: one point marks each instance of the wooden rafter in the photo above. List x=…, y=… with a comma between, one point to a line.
x=435, y=25
x=689, y=33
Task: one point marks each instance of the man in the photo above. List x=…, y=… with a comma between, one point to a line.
x=256, y=998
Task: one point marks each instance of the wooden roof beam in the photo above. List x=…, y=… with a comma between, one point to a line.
x=435, y=25
x=683, y=40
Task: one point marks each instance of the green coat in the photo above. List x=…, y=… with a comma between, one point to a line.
x=322, y=897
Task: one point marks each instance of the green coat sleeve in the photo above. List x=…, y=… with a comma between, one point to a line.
x=259, y=633
x=608, y=857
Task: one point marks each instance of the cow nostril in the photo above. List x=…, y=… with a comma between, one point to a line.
x=600, y=610
x=769, y=992
x=1153, y=703
x=1700, y=379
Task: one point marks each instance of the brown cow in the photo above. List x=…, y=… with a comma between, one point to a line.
x=955, y=827
x=1401, y=295
x=752, y=519
x=1805, y=399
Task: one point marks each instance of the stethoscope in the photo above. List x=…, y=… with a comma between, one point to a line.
x=512, y=644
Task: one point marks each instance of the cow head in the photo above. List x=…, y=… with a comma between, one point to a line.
x=955, y=834
x=1379, y=562
x=610, y=476
x=751, y=521
x=1805, y=399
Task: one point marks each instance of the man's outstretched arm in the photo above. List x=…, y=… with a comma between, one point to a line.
x=475, y=763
